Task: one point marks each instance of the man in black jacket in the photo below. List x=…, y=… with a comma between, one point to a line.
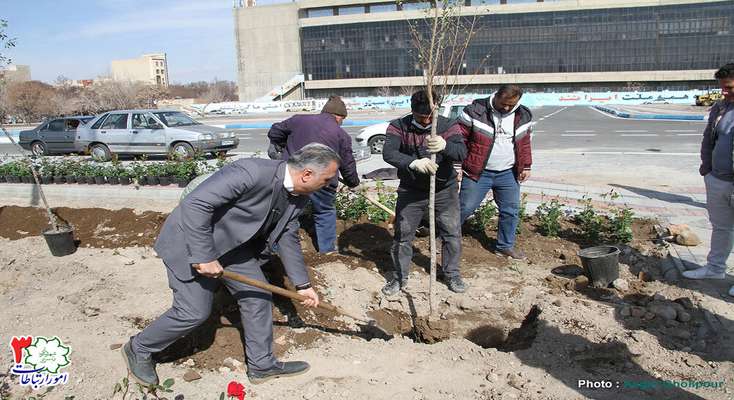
x=408, y=147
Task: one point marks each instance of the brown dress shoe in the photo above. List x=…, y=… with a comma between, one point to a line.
x=512, y=253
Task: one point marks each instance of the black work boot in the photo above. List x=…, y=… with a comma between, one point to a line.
x=456, y=284
x=393, y=287
x=141, y=367
x=281, y=369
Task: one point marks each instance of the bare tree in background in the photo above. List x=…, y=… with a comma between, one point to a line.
x=66, y=96
x=148, y=95
x=441, y=40
x=32, y=100
x=4, y=103
x=407, y=91
x=117, y=95
x=383, y=91
x=219, y=91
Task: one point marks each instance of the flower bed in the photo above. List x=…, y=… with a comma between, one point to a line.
x=70, y=170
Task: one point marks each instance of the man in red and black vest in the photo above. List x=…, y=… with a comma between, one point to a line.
x=408, y=147
x=497, y=132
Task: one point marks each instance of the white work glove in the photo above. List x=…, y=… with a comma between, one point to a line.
x=424, y=166
x=436, y=144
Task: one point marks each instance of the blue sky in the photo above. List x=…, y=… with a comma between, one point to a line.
x=78, y=39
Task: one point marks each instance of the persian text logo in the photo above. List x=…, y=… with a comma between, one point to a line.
x=39, y=359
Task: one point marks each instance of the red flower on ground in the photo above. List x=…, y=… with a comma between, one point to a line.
x=236, y=390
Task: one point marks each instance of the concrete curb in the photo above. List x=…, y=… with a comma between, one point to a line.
x=153, y=198
x=677, y=117
x=268, y=124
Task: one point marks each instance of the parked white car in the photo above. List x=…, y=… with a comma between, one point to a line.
x=151, y=132
x=374, y=135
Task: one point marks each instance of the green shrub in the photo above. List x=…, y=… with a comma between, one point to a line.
x=4, y=168
x=22, y=168
x=138, y=169
x=155, y=169
x=549, y=216
x=590, y=221
x=185, y=169
x=350, y=206
x=620, y=224
x=46, y=167
x=387, y=198
x=483, y=215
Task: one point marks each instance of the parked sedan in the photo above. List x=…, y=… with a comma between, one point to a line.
x=55, y=136
x=374, y=135
x=151, y=132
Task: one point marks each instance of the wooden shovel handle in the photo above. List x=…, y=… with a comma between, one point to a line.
x=378, y=204
x=283, y=292
x=375, y=202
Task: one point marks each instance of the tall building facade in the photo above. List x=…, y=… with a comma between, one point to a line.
x=357, y=47
x=151, y=69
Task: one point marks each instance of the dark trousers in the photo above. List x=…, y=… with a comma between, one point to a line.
x=411, y=206
x=192, y=304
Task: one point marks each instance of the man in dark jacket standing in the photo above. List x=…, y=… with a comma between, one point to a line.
x=289, y=136
x=408, y=147
x=497, y=132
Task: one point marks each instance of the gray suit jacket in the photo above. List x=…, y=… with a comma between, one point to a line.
x=224, y=212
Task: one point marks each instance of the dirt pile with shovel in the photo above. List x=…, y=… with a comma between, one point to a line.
x=523, y=330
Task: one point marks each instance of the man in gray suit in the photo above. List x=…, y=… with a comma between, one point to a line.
x=233, y=220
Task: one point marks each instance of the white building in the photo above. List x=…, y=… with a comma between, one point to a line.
x=149, y=68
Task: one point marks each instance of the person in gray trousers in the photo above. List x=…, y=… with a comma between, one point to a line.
x=233, y=220
x=717, y=168
x=408, y=147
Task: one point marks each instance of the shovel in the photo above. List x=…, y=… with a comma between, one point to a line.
x=371, y=325
x=376, y=203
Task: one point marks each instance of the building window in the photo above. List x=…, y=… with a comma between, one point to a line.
x=377, y=8
x=351, y=10
x=671, y=37
x=320, y=12
x=416, y=6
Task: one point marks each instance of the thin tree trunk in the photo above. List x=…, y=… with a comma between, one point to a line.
x=432, y=224
x=434, y=51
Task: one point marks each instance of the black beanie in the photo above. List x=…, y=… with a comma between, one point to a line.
x=419, y=102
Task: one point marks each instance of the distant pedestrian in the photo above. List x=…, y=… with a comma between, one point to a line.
x=717, y=168
x=497, y=131
x=287, y=137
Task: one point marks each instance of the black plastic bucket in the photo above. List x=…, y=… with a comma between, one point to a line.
x=601, y=264
x=61, y=242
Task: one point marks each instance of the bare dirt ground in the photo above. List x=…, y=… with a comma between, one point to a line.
x=523, y=330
